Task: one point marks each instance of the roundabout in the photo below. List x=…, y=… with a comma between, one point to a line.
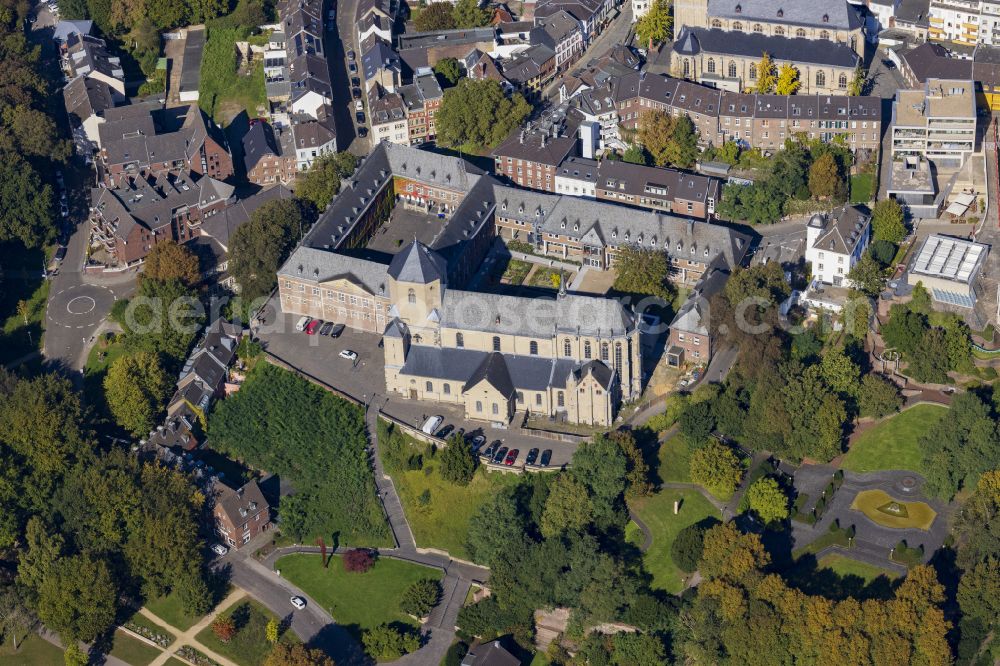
x=80, y=306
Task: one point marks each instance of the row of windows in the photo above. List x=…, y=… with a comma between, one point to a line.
x=732, y=72
x=567, y=348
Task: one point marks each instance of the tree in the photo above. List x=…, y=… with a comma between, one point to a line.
x=420, y=597
x=74, y=656
x=259, y=246
x=358, y=560
x=788, y=80
x=766, y=77
x=497, y=526
x=638, y=650
x=697, y=422
x=643, y=271
x=271, y=631
x=824, y=175
x=878, y=397
x=77, y=598
x=768, y=500
x=25, y=203
x=635, y=154
x=447, y=68
x=458, y=465
x=656, y=26
x=728, y=152
x=654, y=132
x=637, y=475
x=568, y=507
x=688, y=544
x=840, y=372
x=888, y=221
x=321, y=182
x=136, y=388
x=867, y=276
x=716, y=467
x=761, y=281
x=468, y=14
x=169, y=261
x=979, y=592
x=858, y=81
x=435, y=16
x=36, y=134
x=224, y=628
x=477, y=114
x=682, y=149
x=163, y=318
x=283, y=654
x=16, y=617
x=388, y=642
x=882, y=251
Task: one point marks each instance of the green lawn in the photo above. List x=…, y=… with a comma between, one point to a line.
x=32, y=651
x=892, y=444
x=132, y=650
x=675, y=459
x=174, y=661
x=357, y=601
x=846, y=566
x=516, y=271
x=169, y=609
x=657, y=512
x=223, y=92
x=862, y=186
x=249, y=646
x=545, y=278
x=102, y=355
x=444, y=521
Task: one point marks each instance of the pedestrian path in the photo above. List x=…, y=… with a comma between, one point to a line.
x=189, y=637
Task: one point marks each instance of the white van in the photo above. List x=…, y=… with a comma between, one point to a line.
x=302, y=323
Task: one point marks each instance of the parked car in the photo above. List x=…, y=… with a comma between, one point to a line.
x=359, y=105
x=64, y=209
x=301, y=324
x=60, y=253
x=511, y=457
x=350, y=54
x=432, y=424
x=360, y=117
x=355, y=82
x=337, y=330
x=348, y=354
x=532, y=457
x=325, y=328
x=352, y=68
x=445, y=431
x=356, y=93
x=313, y=326
x=490, y=450
x=362, y=132
x=298, y=602
x=546, y=458
x=477, y=442
x=219, y=549
x=499, y=455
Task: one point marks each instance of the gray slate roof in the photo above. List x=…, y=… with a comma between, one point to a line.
x=525, y=373
x=418, y=264
x=322, y=266
x=809, y=51
x=223, y=225
x=839, y=15
x=492, y=370
x=843, y=228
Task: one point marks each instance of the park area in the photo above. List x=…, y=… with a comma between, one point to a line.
x=357, y=601
x=657, y=513
x=248, y=646
x=225, y=89
x=845, y=566
x=894, y=442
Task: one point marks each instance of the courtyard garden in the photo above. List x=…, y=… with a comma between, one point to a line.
x=547, y=278
x=515, y=272
x=224, y=90
x=357, y=601
x=240, y=633
x=893, y=443
x=882, y=509
x=657, y=513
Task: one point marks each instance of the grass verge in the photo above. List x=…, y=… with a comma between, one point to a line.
x=893, y=443
x=33, y=650
x=132, y=650
x=249, y=646
x=846, y=566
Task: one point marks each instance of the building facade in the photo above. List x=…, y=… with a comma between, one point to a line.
x=936, y=122
x=240, y=514
x=835, y=242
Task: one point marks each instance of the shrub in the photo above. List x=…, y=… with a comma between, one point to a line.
x=224, y=628
x=420, y=598
x=687, y=547
x=458, y=465
x=358, y=560
x=387, y=643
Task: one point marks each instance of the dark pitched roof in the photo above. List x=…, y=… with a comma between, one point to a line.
x=493, y=370
x=237, y=505
x=86, y=97
x=931, y=61
x=258, y=143
x=830, y=14
x=536, y=146
x=490, y=654
x=752, y=45
x=841, y=229
x=223, y=225
x=417, y=263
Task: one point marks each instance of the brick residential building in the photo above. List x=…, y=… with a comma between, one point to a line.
x=531, y=157
x=240, y=514
x=269, y=154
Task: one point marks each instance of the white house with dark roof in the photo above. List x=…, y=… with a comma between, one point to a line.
x=835, y=242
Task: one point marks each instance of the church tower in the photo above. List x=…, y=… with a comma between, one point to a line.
x=417, y=279
x=690, y=14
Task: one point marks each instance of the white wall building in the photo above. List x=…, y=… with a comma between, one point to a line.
x=835, y=242
x=577, y=177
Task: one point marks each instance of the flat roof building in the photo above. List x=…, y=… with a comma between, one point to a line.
x=949, y=267
x=937, y=121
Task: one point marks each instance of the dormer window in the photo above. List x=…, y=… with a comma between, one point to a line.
x=739, y=9
x=826, y=18
x=781, y=12
x=706, y=251
x=614, y=234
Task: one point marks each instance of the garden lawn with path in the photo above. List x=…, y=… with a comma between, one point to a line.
x=131, y=650
x=894, y=443
x=222, y=90
x=249, y=646
x=170, y=609
x=358, y=601
x=442, y=521
x=846, y=566
x=33, y=650
x=675, y=460
x=657, y=512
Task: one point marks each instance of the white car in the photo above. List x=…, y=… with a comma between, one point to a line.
x=301, y=324
x=219, y=549
x=349, y=355
x=298, y=602
x=432, y=424
x=359, y=105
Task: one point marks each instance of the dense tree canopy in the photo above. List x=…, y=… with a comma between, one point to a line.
x=656, y=25
x=643, y=271
x=258, y=247
x=321, y=182
x=888, y=221
x=478, y=114
x=168, y=261
x=671, y=140
x=136, y=389
x=448, y=69
x=961, y=447
x=435, y=16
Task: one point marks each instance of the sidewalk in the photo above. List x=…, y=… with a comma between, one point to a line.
x=189, y=637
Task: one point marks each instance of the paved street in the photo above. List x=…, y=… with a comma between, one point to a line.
x=618, y=31
x=337, y=45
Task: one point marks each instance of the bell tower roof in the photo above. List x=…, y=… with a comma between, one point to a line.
x=419, y=264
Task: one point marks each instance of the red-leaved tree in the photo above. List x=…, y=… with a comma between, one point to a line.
x=358, y=560
x=224, y=628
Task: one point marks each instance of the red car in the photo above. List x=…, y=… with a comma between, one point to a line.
x=313, y=326
x=511, y=457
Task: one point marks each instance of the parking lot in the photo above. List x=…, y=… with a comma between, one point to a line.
x=364, y=380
